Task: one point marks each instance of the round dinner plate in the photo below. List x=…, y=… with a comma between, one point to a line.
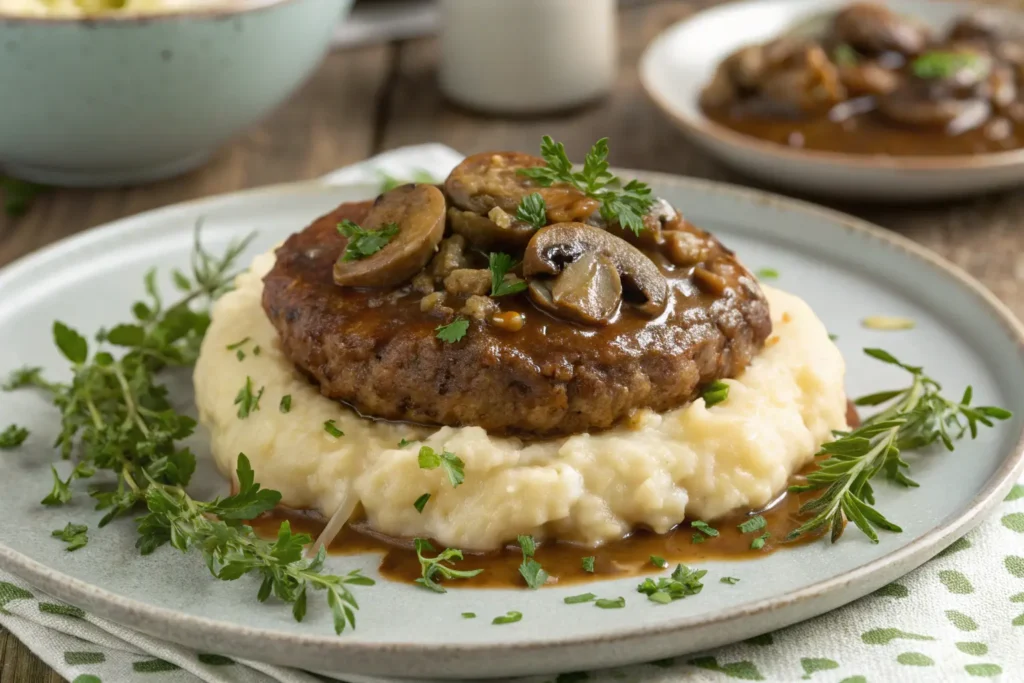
x=846, y=269
x=678, y=64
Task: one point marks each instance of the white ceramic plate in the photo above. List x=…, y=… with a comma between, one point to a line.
x=680, y=62
x=845, y=268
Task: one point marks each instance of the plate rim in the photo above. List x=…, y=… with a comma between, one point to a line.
x=147, y=617
x=700, y=127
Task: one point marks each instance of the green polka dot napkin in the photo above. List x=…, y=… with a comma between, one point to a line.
x=958, y=618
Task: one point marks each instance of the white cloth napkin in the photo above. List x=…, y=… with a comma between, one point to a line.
x=958, y=618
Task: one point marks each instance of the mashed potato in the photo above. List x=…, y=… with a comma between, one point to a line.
x=693, y=462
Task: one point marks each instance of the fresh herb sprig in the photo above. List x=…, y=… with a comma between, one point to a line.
x=363, y=242
x=500, y=264
x=626, y=204
x=116, y=415
x=429, y=459
x=530, y=569
x=533, y=209
x=918, y=416
x=12, y=437
x=434, y=568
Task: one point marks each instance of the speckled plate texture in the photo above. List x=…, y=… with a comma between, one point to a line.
x=846, y=269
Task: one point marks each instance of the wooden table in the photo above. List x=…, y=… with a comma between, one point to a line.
x=363, y=101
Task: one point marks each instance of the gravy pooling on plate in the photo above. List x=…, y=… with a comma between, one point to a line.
x=879, y=83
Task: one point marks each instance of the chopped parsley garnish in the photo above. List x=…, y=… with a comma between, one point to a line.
x=453, y=331
x=499, y=265
x=683, y=582
x=331, y=428
x=247, y=401
x=509, y=618
x=12, y=437
x=607, y=603
x=430, y=459
x=755, y=523
x=530, y=569
x=240, y=355
x=659, y=562
x=61, y=491
x=256, y=350
x=362, y=242
x=759, y=542
x=845, y=55
x=421, y=502
x=940, y=64
x=715, y=393
x=577, y=599
x=74, y=535
x=625, y=204
x=237, y=344
x=403, y=443
x=433, y=568
x=704, y=528
x=469, y=615
x=532, y=210
x=697, y=538
x=833, y=337
x=588, y=564
x=731, y=580
x=286, y=403
x=767, y=274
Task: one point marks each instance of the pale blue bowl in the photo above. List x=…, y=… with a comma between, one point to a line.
x=123, y=100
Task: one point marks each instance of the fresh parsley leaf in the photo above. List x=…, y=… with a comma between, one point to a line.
x=704, y=528
x=607, y=603
x=588, y=564
x=509, y=618
x=623, y=204
x=240, y=355
x=755, y=523
x=71, y=343
x=533, y=210
x=715, y=393
x=237, y=345
x=683, y=582
x=256, y=350
x=362, y=242
x=759, y=542
x=453, y=331
x=403, y=443
x=469, y=615
x=26, y=377
x=61, y=491
x=659, y=562
x=577, y=599
x=499, y=265
x=286, y=403
x=942, y=64
x=453, y=466
x=434, y=568
x=767, y=274
x=421, y=502
x=833, y=337
x=731, y=580
x=247, y=401
x=74, y=535
x=331, y=428
x=698, y=538
x=530, y=569
x=12, y=437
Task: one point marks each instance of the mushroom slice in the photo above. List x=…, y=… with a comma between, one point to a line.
x=418, y=211
x=485, y=233
x=555, y=247
x=873, y=29
x=491, y=179
x=588, y=290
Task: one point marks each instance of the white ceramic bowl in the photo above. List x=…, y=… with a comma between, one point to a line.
x=677, y=65
x=122, y=99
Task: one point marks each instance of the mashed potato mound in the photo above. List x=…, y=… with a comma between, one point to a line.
x=692, y=462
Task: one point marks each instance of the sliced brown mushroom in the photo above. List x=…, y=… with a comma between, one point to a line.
x=502, y=232
x=588, y=290
x=555, y=248
x=418, y=211
x=873, y=29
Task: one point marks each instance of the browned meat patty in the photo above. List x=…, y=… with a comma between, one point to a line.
x=377, y=350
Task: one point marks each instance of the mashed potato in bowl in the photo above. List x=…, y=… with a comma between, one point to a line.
x=689, y=463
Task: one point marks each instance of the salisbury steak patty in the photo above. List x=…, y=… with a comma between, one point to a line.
x=377, y=349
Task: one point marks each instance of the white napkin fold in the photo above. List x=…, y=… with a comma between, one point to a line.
x=958, y=618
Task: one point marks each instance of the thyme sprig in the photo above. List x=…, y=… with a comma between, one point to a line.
x=918, y=416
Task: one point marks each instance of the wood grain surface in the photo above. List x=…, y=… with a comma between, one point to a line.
x=360, y=102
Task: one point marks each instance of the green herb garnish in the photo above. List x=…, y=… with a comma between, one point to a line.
x=509, y=618
x=530, y=569
x=453, y=331
x=286, y=403
x=759, y=542
x=362, y=242
x=917, y=417
x=698, y=538
x=331, y=428
x=683, y=582
x=500, y=264
x=659, y=562
x=625, y=204
x=237, y=345
x=767, y=274
x=421, y=502
x=532, y=210
x=704, y=528
x=731, y=580
x=715, y=393
x=403, y=443
x=606, y=603
x=469, y=615
x=434, y=568
x=453, y=466
x=12, y=437
x=941, y=64
x=74, y=535
x=247, y=401
x=577, y=599
x=755, y=523
x=588, y=564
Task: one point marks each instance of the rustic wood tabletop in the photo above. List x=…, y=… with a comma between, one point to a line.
x=363, y=101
